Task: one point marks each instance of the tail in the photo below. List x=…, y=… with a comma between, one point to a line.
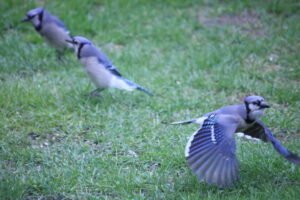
x=292, y=157
x=144, y=90
x=138, y=87
x=190, y=121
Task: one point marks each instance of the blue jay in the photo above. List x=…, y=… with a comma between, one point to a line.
x=50, y=28
x=99, y=68
x=210, y=151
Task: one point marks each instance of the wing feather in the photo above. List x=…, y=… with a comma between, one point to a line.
x=263, y=129
x=211, y=151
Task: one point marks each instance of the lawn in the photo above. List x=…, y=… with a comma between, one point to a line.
x=56, y=142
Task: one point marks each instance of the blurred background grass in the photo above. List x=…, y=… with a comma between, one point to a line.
x=56, y=143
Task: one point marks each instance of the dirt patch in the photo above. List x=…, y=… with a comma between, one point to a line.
x=42, y=140
x=247, y=21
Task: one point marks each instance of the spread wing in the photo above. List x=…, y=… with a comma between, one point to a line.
x=260, y=130
x=210, y=151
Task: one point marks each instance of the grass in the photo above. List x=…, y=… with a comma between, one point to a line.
x=56, y=143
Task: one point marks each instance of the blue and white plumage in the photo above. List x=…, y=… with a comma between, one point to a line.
x=50, y=27
x=99, y=68
x=210, y=151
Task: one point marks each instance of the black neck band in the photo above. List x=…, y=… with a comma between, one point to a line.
x=248, y=120
x=41, y=15
x=79, y=50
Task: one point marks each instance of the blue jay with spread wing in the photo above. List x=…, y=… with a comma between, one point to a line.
x=210, y=151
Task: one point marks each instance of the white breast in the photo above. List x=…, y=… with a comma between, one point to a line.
x=99, y=75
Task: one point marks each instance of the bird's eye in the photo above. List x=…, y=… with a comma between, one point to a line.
x=257, y=103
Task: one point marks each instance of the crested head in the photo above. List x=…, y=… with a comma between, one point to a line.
x=34, y=12
x=78, y=43
x=81, y=40
x=35, y=16
x=255, y=106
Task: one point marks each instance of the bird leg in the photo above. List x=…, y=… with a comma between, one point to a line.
x=96, y=92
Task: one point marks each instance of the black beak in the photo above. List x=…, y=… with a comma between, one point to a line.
x=264, y=105
x=25, y=19
x=70, y=41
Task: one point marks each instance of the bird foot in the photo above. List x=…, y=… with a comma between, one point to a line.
x=95, y=93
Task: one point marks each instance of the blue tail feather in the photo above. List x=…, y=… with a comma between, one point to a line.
x=138, y=87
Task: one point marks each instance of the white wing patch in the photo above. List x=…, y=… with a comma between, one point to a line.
x=213, y=138
x=188, y=145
